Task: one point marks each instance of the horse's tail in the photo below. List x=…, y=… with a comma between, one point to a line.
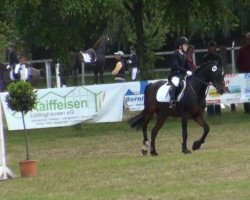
x=137, y=121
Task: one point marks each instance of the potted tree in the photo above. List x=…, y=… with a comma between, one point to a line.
x=22, y=98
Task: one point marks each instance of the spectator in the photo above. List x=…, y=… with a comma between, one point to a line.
x=119, y=71
x=243, y=64
x=212, y=55
x=133, y=63
x=190, y=61
x=227, y=68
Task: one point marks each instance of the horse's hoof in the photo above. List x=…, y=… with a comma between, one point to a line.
x=144, y=152
x=196, y=145
x=154, y=153
x=186, y=151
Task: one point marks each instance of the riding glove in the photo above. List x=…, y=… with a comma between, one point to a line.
x=189, y=73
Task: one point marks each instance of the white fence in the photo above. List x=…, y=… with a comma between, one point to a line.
x=47, y=64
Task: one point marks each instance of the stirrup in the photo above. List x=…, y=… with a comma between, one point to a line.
x=173, y=104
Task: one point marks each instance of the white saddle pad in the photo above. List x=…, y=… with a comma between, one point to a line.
x=163, y=95
x=20, y=69
x=24, y=73
x=86, y=57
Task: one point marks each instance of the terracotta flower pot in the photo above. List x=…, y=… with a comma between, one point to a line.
x=27, y=168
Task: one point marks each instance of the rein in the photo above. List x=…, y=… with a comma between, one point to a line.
x=201, y=81
x=205, y=83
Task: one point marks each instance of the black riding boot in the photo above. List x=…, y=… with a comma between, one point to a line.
x=173, y=97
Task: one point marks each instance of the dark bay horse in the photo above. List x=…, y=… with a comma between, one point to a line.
x=96, y=61
x=191, y=106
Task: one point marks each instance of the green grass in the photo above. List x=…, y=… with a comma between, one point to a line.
x=103, y=161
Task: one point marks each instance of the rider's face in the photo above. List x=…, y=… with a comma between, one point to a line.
x=184, y=47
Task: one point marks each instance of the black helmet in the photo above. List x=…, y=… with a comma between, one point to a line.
x=132, y=48
x=11, y=44
x=180, y=41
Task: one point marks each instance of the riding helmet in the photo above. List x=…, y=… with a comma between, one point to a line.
x=132, y=48
x=180, y=41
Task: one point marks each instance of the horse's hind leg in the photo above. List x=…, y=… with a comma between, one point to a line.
x=101, y=77
x=146, y=143
x=160, y=121
x=200, y=120
x=185, y=150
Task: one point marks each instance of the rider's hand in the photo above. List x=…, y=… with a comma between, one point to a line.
x=8, y=66
x=129, y=61
x=189, y=73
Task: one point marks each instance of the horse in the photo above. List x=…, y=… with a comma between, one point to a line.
x=25, y=72
x=93, y=58
x=190, y=106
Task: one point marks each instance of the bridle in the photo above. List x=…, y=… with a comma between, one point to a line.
x=207, y=84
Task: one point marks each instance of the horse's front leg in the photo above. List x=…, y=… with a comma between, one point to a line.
x=185, y=150
x=201, y=121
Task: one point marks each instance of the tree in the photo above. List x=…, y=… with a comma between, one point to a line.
x=21, y=98
x=52, y=28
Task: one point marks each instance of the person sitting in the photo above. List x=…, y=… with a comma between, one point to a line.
x=119, y=71
x=179, y=67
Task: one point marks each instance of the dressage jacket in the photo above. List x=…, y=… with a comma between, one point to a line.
x=134, y=62
x=179, y=64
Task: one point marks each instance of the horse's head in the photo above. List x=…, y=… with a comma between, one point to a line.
x=102, y=43
x=215, y=75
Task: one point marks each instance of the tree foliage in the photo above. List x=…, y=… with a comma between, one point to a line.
x=51, y=28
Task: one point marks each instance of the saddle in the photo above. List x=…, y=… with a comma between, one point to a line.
x=164, y=92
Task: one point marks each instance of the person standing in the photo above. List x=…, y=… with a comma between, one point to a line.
x=212, y=55
x=133, y=63
x=119, y=71
x=190, y=62
x=11, y=55
x=243, y=64
x=179, y=67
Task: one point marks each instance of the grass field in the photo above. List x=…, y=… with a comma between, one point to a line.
x=103, y=161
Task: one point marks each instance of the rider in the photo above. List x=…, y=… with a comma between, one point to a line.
x=179, y=67
x=11, y=55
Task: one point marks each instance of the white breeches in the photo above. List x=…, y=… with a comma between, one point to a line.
x=175, y=80
x=133, y=73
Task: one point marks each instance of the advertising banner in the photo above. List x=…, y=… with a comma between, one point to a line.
x=58, y=107
x=68, y=106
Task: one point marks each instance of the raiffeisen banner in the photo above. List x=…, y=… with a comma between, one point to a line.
x=68, y=106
